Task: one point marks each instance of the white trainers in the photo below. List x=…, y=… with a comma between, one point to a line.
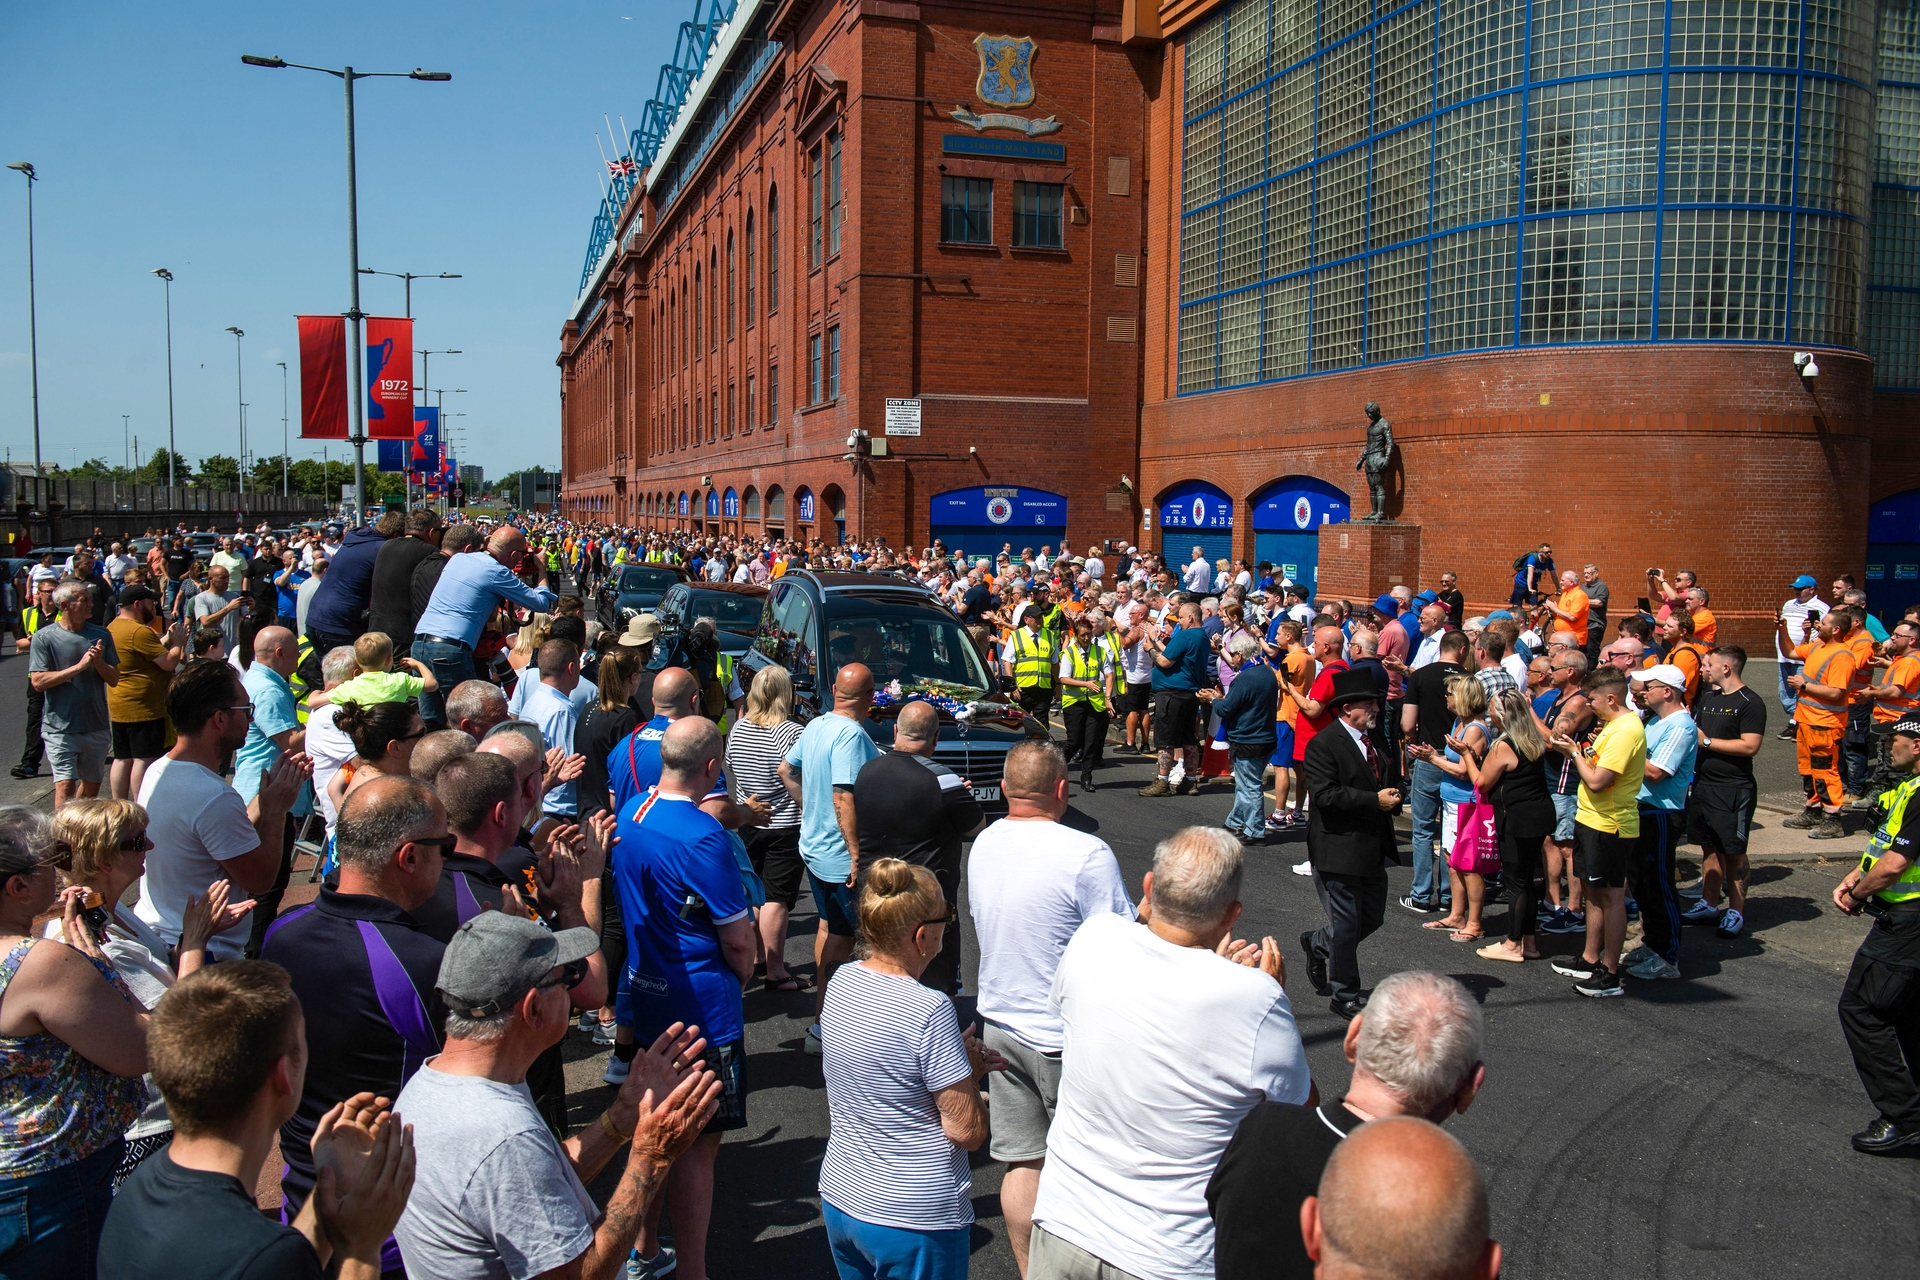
x=616, y=1070
x=1732, y=924
x=813, y=1040
x=1303, y=868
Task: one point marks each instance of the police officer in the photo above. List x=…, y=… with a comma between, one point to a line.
x=1034, y=657
x=1880, y=1005
x=35, y=616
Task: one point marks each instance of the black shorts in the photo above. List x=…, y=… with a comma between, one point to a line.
x=775, y=853
x=1720, y=816
x=1600, y=857
x=1176, y=719
x=139, y=739
x=729, y=1062
x=1138, y=697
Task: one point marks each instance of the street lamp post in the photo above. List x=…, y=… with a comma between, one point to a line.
x=167, y=277
x=347, y=75
x=410, y=277
x=286, y=440
x=33, y=316
x=126, y=450
x=239, y=394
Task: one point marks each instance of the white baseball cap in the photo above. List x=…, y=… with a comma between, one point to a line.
x=1665, y=673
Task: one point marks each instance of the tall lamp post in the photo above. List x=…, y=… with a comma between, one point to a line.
x=410, y=277
x=33, y=317
x=286, y=440
x=347, y=75
x=167, y=277
x=239, y=395
x=126, y=434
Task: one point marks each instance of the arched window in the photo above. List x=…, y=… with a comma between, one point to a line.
x=776, y=503
x=752, y=295
x=750, y=503
x=730, y=285
x=773, y=252
x=696, y=305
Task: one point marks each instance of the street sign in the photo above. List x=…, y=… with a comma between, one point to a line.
x=903, y=417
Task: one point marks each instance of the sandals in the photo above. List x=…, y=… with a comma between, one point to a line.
x=1461, y=935
x=1498, y=951
x=792, y=982
x=1449, y=925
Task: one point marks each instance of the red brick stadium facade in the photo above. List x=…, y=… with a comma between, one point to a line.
x=1058, y=369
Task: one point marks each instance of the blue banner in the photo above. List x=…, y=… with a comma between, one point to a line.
x=1295, y=503
x=1007, y=506
x=730, y=505
x=1195, y=504
x=393, y=454
x=713, y=502
x=806, y=506
x=425, y=457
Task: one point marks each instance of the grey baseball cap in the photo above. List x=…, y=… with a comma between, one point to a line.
x=497, y=957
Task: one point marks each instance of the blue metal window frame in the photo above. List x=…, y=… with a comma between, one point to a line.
x=1873, y=286
x=1793, y=211
x=965, y=212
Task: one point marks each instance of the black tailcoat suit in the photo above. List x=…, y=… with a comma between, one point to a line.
x=1350, y=841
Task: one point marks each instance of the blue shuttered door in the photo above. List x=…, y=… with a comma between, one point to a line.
x=1177, y=546
x=1295, y=556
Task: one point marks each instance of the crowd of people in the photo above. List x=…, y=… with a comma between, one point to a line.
x=528, y=823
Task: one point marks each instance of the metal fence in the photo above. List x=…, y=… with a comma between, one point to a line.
x=41, y=495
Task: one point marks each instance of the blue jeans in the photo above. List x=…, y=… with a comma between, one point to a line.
x=451, y=664
x=50, y=1222
x=1426, y=835
x=868, y=1251
x=1787, y=701
x=1249, y=813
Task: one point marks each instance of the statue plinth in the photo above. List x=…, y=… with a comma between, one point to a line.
x=1361, y=559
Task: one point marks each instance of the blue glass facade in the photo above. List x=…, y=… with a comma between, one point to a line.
x=1369, y=182
x=1893, y=294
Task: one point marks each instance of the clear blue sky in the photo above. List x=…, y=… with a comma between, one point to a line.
x=156, y=147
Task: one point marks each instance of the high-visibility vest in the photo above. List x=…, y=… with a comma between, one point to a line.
x=33, y=619
x=1107, y=645
x=1084, y=668
x=298, y=685
x=1893, y=809
x=1033, y=658
x=1888, y=709
x=1691, y=669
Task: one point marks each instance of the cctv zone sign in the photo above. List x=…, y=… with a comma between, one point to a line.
x=903, y=417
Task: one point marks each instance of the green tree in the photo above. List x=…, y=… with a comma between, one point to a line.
x=220, y=472
x=98, y=469
x=154, y=469
x=265, y=477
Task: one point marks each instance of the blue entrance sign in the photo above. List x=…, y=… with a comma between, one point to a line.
x=730, y=505
x=713, y=502
x=1296, y=503
x=960, y=144
x=1000, y=506
x=1195, y=504
x=805, y=504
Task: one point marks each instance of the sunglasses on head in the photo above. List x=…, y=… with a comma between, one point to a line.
x=952, y=917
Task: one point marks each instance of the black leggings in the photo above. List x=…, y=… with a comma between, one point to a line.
x=1523, y=863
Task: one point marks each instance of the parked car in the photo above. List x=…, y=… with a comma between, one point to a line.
x=634, y=589
x=814, y=622
x=734, y=607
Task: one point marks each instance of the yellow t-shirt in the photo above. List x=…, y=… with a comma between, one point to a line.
x=1622, y=748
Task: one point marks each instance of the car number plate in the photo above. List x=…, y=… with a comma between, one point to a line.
x=986, y=793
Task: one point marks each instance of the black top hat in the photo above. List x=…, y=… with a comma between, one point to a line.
x=1352, y=685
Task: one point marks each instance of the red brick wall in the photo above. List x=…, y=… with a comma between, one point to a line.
x=1014, y=359
x=1719, y=459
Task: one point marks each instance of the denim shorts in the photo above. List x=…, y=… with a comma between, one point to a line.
x=78, y=757
x=835, y=903
x=1564, y=809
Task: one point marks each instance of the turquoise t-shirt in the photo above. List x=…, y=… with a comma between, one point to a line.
x=1672, y=743
x=828, y=753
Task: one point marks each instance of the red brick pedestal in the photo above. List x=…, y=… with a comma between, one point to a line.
x=1360, y=561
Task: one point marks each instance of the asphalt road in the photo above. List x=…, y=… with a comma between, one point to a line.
x=1694, y=1128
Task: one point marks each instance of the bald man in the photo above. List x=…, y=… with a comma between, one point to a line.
x=470, y=588
x=689, y=955
x=634, y=764
x=1400, y=1198
x=820, y=771
x=907, y=805
x=274, y=730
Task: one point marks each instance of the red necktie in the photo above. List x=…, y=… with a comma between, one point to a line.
x=1373, y=760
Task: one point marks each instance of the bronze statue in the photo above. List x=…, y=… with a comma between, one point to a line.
x=1374, y=459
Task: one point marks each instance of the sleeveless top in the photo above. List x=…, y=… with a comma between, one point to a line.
x=1522, y=790
x=57, y=1107
x=1458, y=790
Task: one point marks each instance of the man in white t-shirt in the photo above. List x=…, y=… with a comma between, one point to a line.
x=1199, y=574
x=1031, y=883
x=202, y=831
x=1156, y=1013
x=1801, y=612
x=328, y=745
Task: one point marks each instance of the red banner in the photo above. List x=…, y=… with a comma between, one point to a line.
x=323, y=377
x=389, y=378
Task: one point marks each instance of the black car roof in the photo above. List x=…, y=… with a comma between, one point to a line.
x=861, y=584
x=731, y=588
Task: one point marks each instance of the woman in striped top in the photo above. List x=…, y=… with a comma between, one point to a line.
x=894, y=1186
x=756, y=745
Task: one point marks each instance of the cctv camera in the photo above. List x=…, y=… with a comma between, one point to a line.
x=1803, y=361
x=972, y=449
